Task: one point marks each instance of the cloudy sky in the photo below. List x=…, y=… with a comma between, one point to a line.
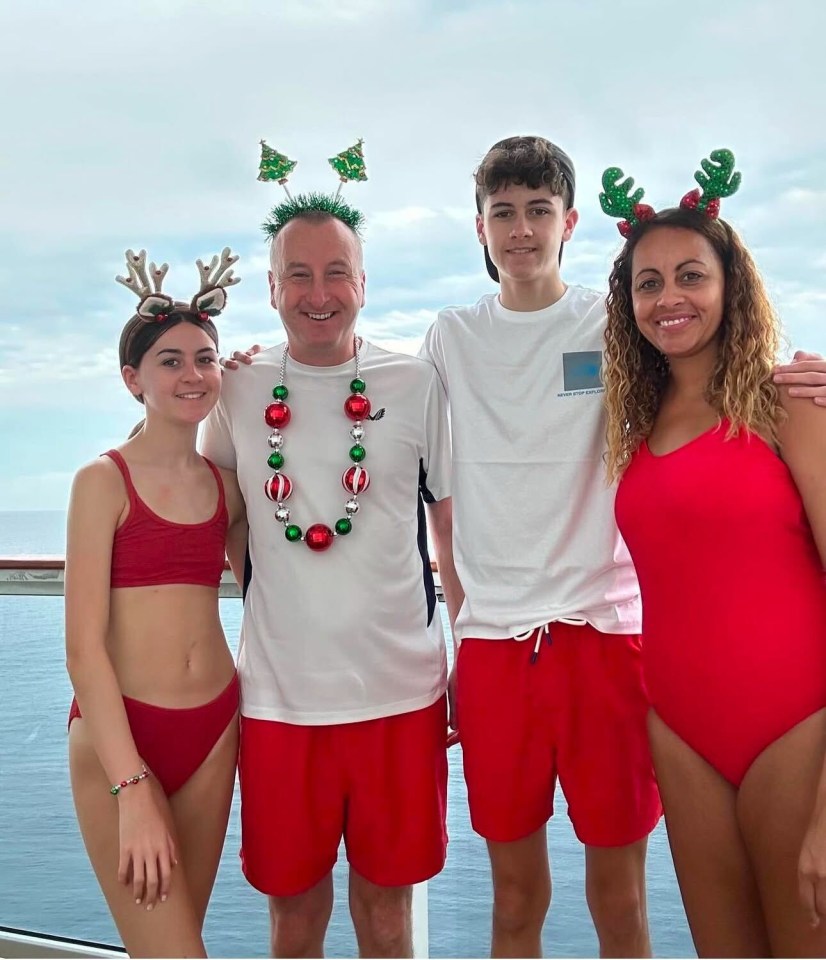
x=137, y=125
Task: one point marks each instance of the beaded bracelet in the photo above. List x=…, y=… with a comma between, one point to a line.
x=117, y=787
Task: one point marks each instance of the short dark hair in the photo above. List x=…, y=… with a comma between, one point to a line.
x=139, y=334
x=532, y=161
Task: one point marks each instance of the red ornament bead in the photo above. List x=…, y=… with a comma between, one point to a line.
x=625, y=228
x=278, y=487
x=318, y=537
x=160, y=318
x=357, y=406
x=203, y=315
x=277, y=414
x=355, y=480
x=123, y=783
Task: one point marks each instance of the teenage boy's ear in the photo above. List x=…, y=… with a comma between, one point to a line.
x=571, y=220
x=480, y=230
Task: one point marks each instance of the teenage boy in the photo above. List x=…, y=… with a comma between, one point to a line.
x=548, y=675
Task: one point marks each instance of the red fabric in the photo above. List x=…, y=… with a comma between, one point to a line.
x=381, y=784
x=577, y=711
x=173, y=741
x=148, y=550
x=734, y=605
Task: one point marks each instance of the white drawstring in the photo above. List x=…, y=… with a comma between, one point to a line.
x=519, y=637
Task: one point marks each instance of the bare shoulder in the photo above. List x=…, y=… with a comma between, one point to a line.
x=98, y=477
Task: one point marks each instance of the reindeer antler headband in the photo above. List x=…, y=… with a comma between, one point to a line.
x=349, y=165
x=717, y=179
x=155, y=305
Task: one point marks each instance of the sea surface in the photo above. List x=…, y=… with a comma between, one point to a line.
x=47, y=885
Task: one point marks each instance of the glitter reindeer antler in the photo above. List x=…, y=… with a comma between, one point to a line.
x=718, y=179
x=617, y=200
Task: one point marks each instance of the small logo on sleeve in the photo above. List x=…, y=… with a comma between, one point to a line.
x=581, y=372
x=377, y=415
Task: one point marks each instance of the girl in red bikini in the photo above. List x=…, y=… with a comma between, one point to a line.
x=722, y=502
x=153, y=731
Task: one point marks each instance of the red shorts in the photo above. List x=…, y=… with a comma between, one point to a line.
x=381, y=784
x=576, y=710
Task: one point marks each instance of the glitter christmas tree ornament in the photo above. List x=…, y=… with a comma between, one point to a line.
x=349, y=164
x=275, y=166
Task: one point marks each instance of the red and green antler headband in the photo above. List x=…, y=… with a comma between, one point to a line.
x=717, y=179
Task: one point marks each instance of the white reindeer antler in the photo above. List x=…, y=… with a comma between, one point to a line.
x=218, y=273
x=138, y=280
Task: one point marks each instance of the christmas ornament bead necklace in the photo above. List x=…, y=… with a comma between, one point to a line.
x=355, y=479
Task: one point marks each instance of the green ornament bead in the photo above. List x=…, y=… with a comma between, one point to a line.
x=343, y=526
x=292, y=533
x=357, y=453
x=114, y=791
x=276, y=460
x=357, y=385
x=280, y=392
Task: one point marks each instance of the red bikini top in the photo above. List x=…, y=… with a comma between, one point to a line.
x=148, y=550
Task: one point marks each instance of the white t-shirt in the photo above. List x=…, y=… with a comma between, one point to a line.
x=534, y=533
x=352, y=633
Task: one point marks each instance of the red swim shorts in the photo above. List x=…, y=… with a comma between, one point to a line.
x=573, y=707
x=380, y=784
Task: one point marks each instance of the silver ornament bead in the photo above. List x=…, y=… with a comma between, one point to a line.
x=352, y=506
x=282, y=514
x=357, y=431
x=275, y=440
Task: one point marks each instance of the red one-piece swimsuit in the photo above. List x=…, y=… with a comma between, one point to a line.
x=734, y=601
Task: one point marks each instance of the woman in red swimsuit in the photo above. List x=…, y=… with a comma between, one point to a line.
x=153, y=731
x=722, y=502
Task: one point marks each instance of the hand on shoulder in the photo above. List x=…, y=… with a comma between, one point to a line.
x=240, y=356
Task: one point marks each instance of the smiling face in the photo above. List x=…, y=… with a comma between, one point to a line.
x=178, y=377
x=677, y=291
x=524, y=230
x=317, y=287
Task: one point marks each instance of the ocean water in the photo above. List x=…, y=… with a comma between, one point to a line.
x=46, y=883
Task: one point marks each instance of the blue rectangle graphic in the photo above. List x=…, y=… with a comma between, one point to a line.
x=581, y=371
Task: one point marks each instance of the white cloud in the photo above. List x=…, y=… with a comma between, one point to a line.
x=136, y=125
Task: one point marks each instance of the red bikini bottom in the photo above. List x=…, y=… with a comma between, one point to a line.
x=174, y=741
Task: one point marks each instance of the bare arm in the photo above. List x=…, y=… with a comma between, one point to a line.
x=238, y=529
x=803, y=447
x=94, y=508
x=440, y=523
x=147, y=850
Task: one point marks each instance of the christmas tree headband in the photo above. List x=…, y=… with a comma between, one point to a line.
x=717, y=179
x=349, y=165
x=156, y=306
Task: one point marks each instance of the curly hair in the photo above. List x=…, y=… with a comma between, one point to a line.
x=532, y=161
x=635, y=373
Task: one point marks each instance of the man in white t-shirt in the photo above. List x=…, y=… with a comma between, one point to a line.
x=548, y=679
x=342, y=663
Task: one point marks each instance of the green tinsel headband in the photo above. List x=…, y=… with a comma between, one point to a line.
x=304, y=203
x=349, y=165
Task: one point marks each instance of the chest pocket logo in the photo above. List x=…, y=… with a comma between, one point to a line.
x=581, y=370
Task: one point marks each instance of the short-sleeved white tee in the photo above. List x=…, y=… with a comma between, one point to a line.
x=534, y=533
x=352, y=633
